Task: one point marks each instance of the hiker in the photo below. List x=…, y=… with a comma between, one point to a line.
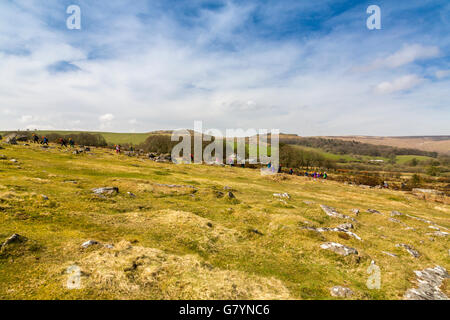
x=35, y=138
x=279, y=169
x=63, y=142
x=291, y=172
x=71, y=143
x=306, y=174
x=269, y=165
x=45, y=140
x=325, y=175
x=117, y=149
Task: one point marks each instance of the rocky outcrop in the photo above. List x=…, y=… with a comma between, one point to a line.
x=106, y=191
x=338, y=248
x=342, y=292
x=373, y=211
x=333, y=213
x=337, y=229
x=15, y=238
x=282, y=195
x=429, y=282
x=410, y=249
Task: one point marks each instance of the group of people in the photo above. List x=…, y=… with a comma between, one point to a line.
x=44, y=139
x=63, y=142
x=317, y=175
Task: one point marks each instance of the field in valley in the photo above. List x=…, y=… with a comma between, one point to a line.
x=173, y=232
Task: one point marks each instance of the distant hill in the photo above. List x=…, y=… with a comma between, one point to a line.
x=439, y=144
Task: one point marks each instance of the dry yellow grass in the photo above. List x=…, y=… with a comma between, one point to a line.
x=188, y=241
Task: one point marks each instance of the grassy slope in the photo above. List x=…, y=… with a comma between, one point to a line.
x=225, y=252
x=403, y=159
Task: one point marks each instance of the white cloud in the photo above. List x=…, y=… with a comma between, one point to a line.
x=400, y=84
x=106, y=117
x=441, y=74
x=406, y=55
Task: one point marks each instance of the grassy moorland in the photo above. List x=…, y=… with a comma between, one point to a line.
x=175, y=233
x=110, y=137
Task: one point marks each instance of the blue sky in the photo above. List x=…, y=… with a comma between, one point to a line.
x=306, y=67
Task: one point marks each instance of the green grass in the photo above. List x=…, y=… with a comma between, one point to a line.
x=407, y=158
x=110, y=137
x=339, y=157
x=181, y=243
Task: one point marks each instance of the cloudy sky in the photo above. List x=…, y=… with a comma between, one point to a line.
x=305, y=67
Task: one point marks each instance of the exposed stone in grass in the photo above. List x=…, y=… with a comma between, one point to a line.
x=173, y=186
x=402, y=223
x=438, y=234
x=15, y=238
x=89, y=243
x=426, y=221
x=106, y=191
x=333, y=213
x=131, y=194
x=342, y=292
x=396, y=213
x=389, y=254
x=3, y=157
x=355, y=211
x=44, y=197
x=308, y=202
x=410, y=249
x=337, y=229
x=429, y=283
x=282, y=195
x=338, y=248
x=14, y=161
x=346, y=226
x=373, y=211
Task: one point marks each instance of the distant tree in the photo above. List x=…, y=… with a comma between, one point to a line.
x=433, y=171
x=414, y=162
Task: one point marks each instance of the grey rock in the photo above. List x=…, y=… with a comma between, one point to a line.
x=438, y=234
x=132, y=195
x=346, y=226
x=337, y=229
x=355, y=211
x=342, y=292
x=373, y=211
x=389, y=254
x=410, y=249
x=396, y=213
x=44, y=197
x=231, y=195
x=282, y=195
x=429, y=283
x=106, y=191
x=333, y=213
x=15, y=238
x=338, y=248
x=89, y=243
